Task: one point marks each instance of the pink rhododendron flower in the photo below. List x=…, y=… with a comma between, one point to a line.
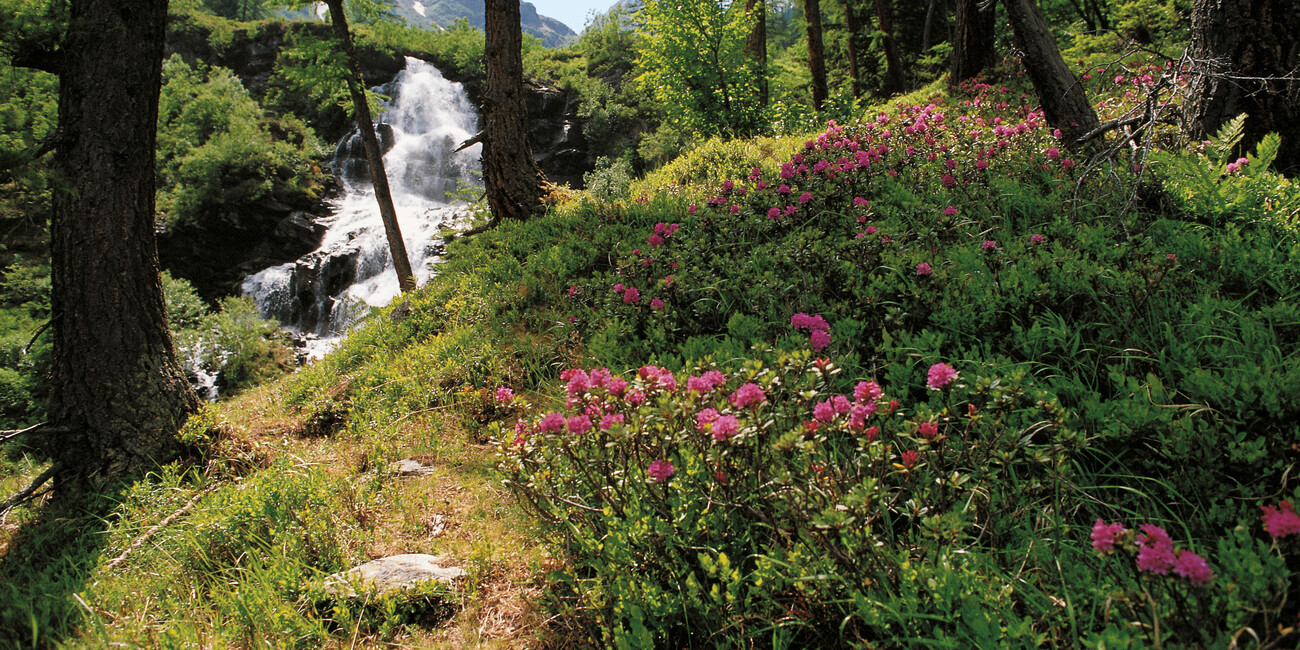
x=950, y=210
x=1280, y=521
x=774, y=213
x=805, y=198
x=940, y=375
x=928, y=430
x=616, y=385
x=989, y=245
x=618, y=288
x=947, y=180
x=841, y=404
x=631, y=296
x=656, y=304
x=705, y=418
x=725, y=427
x=1233, y=167
x=859, y=202
x=505, y=394
x=824, y=412
x=551, y=422
x=1036, y=239
x=706, y=382
x=909, y=458
x=610, y=420
x=820, y=339
x=660, y=470
x=1193, y=567
x=867, y=391
x=749, y=394
x=635, y=397
x=1105, y=535
x=578, y=424
x=924, y=268
x=1155, y=550
x=655, y=240
x=573, y=291
x=872, y=433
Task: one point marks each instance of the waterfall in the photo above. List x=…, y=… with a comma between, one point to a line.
x=325, y=291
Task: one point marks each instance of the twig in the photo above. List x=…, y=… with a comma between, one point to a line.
x=139, y=541
x=6, y=436
x=26, y=493
x=27, y=348
x=1110, y=126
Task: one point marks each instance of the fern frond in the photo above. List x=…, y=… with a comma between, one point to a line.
x=1228, y=136
x=1265, y=153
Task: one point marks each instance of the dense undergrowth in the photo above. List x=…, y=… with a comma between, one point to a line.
x=922, y=379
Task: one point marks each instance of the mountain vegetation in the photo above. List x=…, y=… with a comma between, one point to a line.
x=926, y=366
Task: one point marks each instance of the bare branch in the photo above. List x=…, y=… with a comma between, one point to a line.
x=6, y=436
x=26, y=493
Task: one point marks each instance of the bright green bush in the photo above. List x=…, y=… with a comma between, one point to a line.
x=218, y=154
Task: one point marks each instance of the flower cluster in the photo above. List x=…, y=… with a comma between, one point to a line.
x=1281, y=520
x=940, y=375
x=1155, y=551
x=818, y=328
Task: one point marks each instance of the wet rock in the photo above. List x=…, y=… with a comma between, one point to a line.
x=392, y=574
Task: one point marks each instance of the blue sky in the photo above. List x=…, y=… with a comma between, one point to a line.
x=573, y=13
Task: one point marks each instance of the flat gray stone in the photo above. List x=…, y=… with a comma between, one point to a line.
x=412, y=467
x=395, y=573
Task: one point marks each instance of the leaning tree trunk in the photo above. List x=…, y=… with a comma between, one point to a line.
x=1064, y=102
x=116, y=389
x=514, y=182
x=1245, y=59
x=375, y=157
x=973, y=43
x=893, y=66
x=756, y=44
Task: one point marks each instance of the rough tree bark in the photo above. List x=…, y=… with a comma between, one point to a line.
x=756, y=44
x=973, y=41
x=374, y=156
x=1064, y=103
x=893, y=66
x=812, y=13
x=116, y=391
x=1246, y=59
x=515, y=185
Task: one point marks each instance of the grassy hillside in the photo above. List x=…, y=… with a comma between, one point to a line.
x=922, y=379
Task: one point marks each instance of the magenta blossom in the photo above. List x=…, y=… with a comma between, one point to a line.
x=578, y=424
x=1192, y=567
x=610, y=421
x=748, y=395
x=1280, y=521
x=1105, y=535
x=660, y=470
x=631, y=296
x=551, y=422
x=725, y=427
x=867, y=391
x=1036, y=239
x=820, y=339
x=1155, y=550
x=940, y=375
x=505, y=394
x=989, y=245
x=928, y=430
x=924, y=268
x=706, y=417
x=950, y=210
x=656, y=304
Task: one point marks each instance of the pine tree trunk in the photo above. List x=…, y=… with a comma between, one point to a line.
x=374, y=157
x=514, y=182
x=973, y=43
x=812, y=12
x=756, y=44
x=1064, y=102
x=893, y=66
x=851, y=26
x=1241, y=52
x=116, y=387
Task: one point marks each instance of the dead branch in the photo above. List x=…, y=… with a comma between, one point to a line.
x=6, y=436
x=26, y=493
x=139, y=541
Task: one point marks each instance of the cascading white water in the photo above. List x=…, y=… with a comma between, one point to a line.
x=324, y=292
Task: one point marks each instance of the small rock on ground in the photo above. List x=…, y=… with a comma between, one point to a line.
x=394, y=573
